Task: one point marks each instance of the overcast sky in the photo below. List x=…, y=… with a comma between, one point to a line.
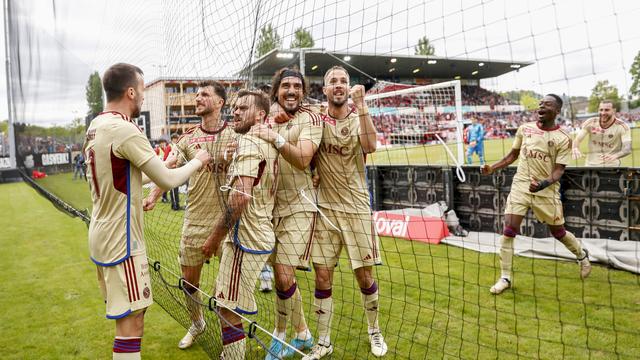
x=573, y=43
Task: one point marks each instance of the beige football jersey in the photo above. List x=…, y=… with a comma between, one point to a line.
x=205, y=202
x=341, y=166
x=604, y=141
x=540, y=151
x=304, y=125
x=115, y=149
x=257, y=159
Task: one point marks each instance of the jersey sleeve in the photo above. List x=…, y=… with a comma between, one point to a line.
x=249, y=159
x=564, y=152
x=626, y=134
x=180, y=151
x=312, y=130
x=517, y=142
x=133, y=146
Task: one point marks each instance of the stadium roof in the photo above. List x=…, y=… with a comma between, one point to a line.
x=380, y=66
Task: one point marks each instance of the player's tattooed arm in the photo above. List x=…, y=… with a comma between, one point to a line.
x=506, y=161
x=238, y=200
x=150, y=201
x=575, y=149
x=626, y=150
x=556, y=174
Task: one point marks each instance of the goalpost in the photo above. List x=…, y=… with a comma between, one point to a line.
x=418, y=115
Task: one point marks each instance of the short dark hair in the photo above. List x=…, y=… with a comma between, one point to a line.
x=218, y=88
x=558, y=100
x=609, y=101
x=118, y=78
x=277, y=79
x=335, y=67
x=174, y=136
x=260, y=99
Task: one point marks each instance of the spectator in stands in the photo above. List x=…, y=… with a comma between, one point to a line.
x=475, y=137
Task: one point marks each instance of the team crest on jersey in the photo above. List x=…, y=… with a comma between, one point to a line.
x=550, y=143
x=146, y=292
x=289, y=125
x=610, y=136
x=344, y=131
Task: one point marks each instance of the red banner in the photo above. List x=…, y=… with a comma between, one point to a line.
x=410, y=227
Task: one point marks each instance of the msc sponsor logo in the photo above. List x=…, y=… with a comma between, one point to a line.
x=335, y=149
x=533, y=154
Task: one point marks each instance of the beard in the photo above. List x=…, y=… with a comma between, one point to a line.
x=338, y=103
x=204, y=112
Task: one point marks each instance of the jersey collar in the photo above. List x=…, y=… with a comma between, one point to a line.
x=224, y=125
x=123, y=116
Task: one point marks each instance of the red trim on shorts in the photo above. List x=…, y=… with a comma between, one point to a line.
x=235, y=274
x=135, y=278
x=126, y=274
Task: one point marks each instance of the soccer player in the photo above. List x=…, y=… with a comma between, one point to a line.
x=248, y=214
x=545, y=150
x=118, y=154
x=609, y=138
x=476, y=141
x=297, y=136
x=205, y=202
x=343, y=197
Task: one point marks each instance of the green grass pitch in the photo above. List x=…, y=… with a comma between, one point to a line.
x=434, y=298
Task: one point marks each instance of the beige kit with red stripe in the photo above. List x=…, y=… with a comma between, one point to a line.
x=126, y=287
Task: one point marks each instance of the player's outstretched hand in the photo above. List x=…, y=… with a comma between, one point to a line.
x=486, y=169
x=357, y=95
x=148, y=203
x=231, y=147
x=263, y=132
x=203, y=156
x=316, y=180
x=171, y=161
x=208, y=248
x=576, y=153
x=277, y=113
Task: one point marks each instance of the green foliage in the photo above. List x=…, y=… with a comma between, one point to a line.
x=302, y=39
x=603, y=91
x=634, y=90
x=269, y=40
x=516, y=95
x=424, y=47
x=72, y=132
x=529, y=102
x=94, y=95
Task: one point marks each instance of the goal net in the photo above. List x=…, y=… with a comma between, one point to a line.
x=418, y=115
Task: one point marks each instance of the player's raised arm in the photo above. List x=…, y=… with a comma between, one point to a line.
x=368, y=138
x=170, y=178
x=575, y=150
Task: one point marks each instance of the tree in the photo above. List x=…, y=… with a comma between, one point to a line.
x=634, y=90
x=529, y=101
x=94, y=95
x=302, y=39
x=424, y=47
x=269, y=40
x=603, y=91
